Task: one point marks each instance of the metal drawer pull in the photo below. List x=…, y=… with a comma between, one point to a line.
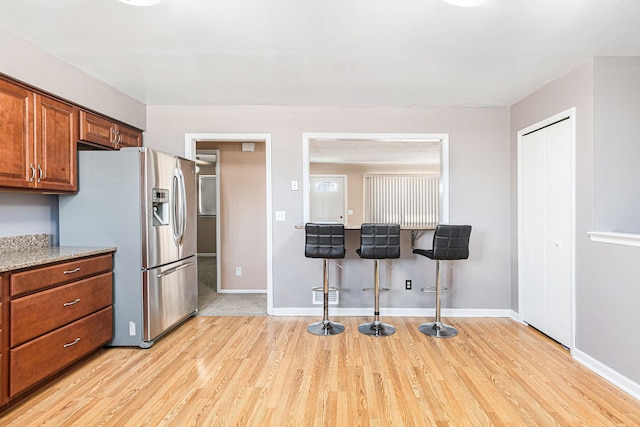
x=67, y=304
x=75, y=270
x=72, y=343
x=173, y=270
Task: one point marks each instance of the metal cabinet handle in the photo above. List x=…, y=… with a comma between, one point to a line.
x=76, y=341
x=75, y=270
x=33, y=172
x=74, y=302
x=40, y=174
x=114, y=137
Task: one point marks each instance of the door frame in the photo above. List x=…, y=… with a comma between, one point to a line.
x=570, y=115
x=190, y=140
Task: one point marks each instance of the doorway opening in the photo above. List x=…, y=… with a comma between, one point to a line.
x=358, y=155
x=240, y=276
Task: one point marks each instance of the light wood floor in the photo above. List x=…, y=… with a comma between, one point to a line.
x=268, y=371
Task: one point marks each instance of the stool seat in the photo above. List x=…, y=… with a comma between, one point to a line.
x=378, y=241
x=325, y=241
x=450, y=242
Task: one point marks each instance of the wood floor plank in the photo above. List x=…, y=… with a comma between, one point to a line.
x=269, y=371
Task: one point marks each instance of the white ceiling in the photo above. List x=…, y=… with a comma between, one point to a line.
x=327, y=52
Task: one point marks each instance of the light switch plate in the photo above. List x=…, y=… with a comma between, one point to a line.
x=281, y=215
x=294, y=185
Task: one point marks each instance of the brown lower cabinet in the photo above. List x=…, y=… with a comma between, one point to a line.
x=51, y=317
x=46, y=355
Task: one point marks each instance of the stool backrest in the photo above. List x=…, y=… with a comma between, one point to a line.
x=451, y=242
x=379, y=241
x=324, y=241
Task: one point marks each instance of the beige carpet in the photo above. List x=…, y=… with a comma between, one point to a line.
x=211, y=303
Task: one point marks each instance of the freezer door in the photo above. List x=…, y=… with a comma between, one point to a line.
x=169, y=205
x=170, y=296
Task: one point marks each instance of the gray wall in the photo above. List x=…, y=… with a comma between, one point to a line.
x=616, y=148
x=27, y=213
x=607, y=292
x=478, y=196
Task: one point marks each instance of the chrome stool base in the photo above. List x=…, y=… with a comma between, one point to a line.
x=438, y=330
x=325, y=328
x=376, y=329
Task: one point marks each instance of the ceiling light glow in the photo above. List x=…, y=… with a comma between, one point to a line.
x=466, y=3
x=140, y=2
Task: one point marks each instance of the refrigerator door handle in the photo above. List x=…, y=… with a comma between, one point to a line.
x=176, y=222
x=180, y=206
x=173, y=270
x=183, y=206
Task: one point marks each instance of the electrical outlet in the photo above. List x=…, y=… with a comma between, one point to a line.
x=407, y=284
x=238, y=271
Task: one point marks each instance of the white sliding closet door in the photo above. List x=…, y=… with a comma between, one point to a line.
x=546, y=203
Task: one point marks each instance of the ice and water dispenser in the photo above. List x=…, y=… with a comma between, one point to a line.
x=160, y=199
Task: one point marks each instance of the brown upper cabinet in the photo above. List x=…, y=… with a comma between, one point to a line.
x=107, y=133
x=38, y=137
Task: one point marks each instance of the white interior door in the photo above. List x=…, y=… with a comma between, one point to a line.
x=533, y=208
x=327, y=198
x=546, y=230
x=558, y=231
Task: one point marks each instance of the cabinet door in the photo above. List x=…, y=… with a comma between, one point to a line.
x=129, y=137
x=16, y=136
x=56, y=133
x=48, y=354
x=97, y=130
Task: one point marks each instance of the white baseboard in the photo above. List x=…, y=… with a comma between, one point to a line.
x=392, y=312
x=242, y=291
x=611, y=375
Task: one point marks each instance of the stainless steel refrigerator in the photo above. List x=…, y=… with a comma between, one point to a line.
x=143, y=202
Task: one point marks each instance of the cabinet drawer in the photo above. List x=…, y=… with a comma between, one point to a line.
x=45, y=277
x=36, y=314
x=44, y=356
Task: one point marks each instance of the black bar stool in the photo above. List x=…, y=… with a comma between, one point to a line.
x=378, y=241
x=325, y=241
x=450, y=242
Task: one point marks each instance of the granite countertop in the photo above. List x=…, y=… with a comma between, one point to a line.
x=34, y=250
